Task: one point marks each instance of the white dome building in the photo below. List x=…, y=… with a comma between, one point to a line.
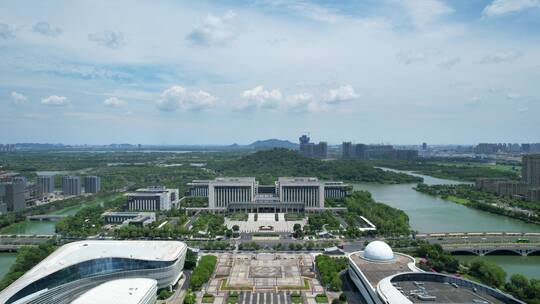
x=377, y=261
x=378, y=251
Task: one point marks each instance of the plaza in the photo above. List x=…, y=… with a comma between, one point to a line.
x=266, y=222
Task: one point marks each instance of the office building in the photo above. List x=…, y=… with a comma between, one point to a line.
x=530, y=170
x=45, y=184
x=385, y=277
x=92, y=184
x=287, y=194
x=3, y=206
x=71, y=185
x=141, y=219
x=122, y=291
x=78, y=267
x=152, y=199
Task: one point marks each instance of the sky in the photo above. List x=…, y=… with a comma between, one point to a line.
x=222, y=72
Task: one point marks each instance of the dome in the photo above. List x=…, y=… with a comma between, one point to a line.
x=378, y=251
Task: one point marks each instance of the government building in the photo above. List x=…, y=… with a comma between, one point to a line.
x=288, y=194
x=152, y=199
x=75, y=269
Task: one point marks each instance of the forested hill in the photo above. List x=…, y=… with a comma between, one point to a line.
x=267, y=165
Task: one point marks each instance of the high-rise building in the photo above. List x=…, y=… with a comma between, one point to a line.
x=71, y=185
x=346, y=150
x=424, y=146
x=92, y=184
x=45, y=184
x=310, y=149
x=14, y=195
x=360, y=151
x=530, y=170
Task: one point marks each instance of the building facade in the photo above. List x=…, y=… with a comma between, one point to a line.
x=287, y=194
x=310, y=149
x=45, y=184
x=14, y=195
x=530, y=170
x=71, y=185
x=78, y=267
x=92, y=184
x=129, y=218
x=152, y=199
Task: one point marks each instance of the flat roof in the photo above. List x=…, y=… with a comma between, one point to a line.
x=123, y=291
x=289, y=179
x=130, y=213
x=439, y=288
x=233, y=180
x=78, y=252
x=375, y=271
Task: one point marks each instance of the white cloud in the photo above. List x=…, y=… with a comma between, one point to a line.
x=500, y=57
x=474, y=101
x=214, y=30
x=114, y=102
x=449, y=62
x=423, y=12
x=18, y=98
x=503, y=7
x=411, y=57
x=46, y=29
x=301, y=102
x=6, y=32
x=342, y=94
x=179, y=98
x=55, y=100
x=523, y=110
x=109, y=39
x=512, y=96
x=259, y=97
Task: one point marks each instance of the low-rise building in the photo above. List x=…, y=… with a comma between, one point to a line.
x=129, y=218
x=152, y=199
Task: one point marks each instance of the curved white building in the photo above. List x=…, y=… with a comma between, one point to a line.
x=123, y=291
x=80, y=266
x=377, y=261
x=385, y=277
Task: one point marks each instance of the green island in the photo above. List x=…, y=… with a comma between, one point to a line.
x=467, y=195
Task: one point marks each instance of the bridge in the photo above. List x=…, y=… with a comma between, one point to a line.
x=482, y=249
x=46, y=217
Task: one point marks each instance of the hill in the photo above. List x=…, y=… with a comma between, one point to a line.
x=272, y=143
x=268, y=165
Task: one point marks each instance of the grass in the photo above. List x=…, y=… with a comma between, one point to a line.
x=208, y=298
x=292, y=287
x=233, y=298
x=238, y=216
x=296, y=298
x=294, y=216
x=458, y=200
x=321, y=298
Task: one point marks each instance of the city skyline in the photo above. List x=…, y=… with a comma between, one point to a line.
x=238, y=71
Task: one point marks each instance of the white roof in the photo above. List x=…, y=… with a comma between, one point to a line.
x=378, y=251
x=124, y=291
x=77, y=252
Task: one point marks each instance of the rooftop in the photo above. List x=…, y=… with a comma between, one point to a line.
x=234, y=180
x=298, y=180
x=77, y=252
x=375, y=271
x=124, y=291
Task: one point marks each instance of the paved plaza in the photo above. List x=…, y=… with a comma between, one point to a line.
x=266, y=220
x=266, y=272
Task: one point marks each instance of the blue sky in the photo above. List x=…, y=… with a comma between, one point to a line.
x=201, y=72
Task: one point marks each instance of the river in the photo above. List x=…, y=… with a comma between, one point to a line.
x=431, y=214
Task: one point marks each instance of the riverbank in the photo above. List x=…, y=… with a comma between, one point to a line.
x=470, y=197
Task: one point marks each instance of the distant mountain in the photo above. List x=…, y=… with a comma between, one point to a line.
x=272, y=143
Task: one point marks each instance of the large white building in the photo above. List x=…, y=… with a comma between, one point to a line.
x=287, y=194
x=77, y=267
x=152, y=199
x=123, y=291
x=385, y=277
